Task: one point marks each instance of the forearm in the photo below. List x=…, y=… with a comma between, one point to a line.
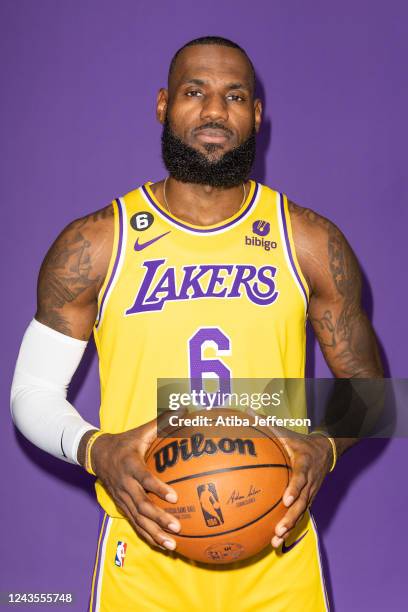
x=347, y=341
x=46, y=363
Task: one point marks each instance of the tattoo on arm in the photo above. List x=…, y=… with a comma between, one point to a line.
x=68, y=276
x=338, y=329
x=104, y=213
x=343, y=330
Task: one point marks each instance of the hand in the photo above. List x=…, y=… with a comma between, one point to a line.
x=311, y=458
x=118, y=461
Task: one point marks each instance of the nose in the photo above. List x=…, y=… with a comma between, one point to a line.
x=214, y=108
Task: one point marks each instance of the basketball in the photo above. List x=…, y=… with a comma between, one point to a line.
x=230, y=482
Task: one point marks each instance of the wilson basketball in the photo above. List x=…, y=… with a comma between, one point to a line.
x=229, y=481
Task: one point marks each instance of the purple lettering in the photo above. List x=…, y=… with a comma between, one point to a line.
x=217, y=279
x=138, y=306
x=257, y=284
x=243, y=279
x=266, y=297
x=192, y=282
x=166, y=286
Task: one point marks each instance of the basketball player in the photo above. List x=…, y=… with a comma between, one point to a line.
x=159, y=274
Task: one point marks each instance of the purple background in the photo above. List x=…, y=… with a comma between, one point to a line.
x=78, y=128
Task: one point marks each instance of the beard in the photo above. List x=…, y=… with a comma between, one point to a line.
x=186, y=164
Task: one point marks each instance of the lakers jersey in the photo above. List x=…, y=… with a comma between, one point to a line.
x=181, y=301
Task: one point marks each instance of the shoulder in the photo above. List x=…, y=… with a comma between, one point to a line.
x=93, y=225
x=309, y=225
x=305, y=221
x=89, y=231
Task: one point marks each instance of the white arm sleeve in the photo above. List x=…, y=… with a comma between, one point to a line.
x=45, y=366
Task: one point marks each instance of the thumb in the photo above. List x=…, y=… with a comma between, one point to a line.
x=160, y=425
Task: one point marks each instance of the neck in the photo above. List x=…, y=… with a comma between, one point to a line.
x=200, y=204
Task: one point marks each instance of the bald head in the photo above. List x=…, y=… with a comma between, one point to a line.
x=211, y=41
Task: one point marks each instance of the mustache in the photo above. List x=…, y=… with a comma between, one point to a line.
x=213, y=125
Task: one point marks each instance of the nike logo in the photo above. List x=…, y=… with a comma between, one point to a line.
x=140, y=247
x=286, y=549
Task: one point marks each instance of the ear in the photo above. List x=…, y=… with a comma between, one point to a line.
x=258, y=114
x=161, y=104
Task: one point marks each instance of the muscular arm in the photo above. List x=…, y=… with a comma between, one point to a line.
x=342, y=328
x=53, y=343
x=72, y=274
x=70, y=278
x=346, y=338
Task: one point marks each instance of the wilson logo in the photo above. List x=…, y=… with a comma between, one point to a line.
x=196, y=446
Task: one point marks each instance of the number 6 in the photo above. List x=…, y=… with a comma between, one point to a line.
x=201, y=368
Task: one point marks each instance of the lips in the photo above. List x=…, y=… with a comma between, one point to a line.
x=212, y=135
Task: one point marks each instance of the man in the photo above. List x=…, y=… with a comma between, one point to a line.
x=174, y=284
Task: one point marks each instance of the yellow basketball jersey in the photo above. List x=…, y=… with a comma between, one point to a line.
x=181, y=301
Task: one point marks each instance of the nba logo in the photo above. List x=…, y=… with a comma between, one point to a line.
x=120, y=554
x=262, y=228
x=210, y=504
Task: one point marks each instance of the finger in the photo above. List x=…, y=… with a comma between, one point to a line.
x=151, y=483
x=146, y=435
x=149, y=431
x=145, y=536
x=288, y=532
x=276, y=542
x=298, y=520
x=251, y=411
x=125, y=505
x=292, y=516
x=156, y=536
x=148, y=509
x=139, y=503
x=121, y=505
x=297, y=482
x=159, y=537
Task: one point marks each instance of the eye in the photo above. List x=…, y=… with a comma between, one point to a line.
x=236, y=98
x=194, y=93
